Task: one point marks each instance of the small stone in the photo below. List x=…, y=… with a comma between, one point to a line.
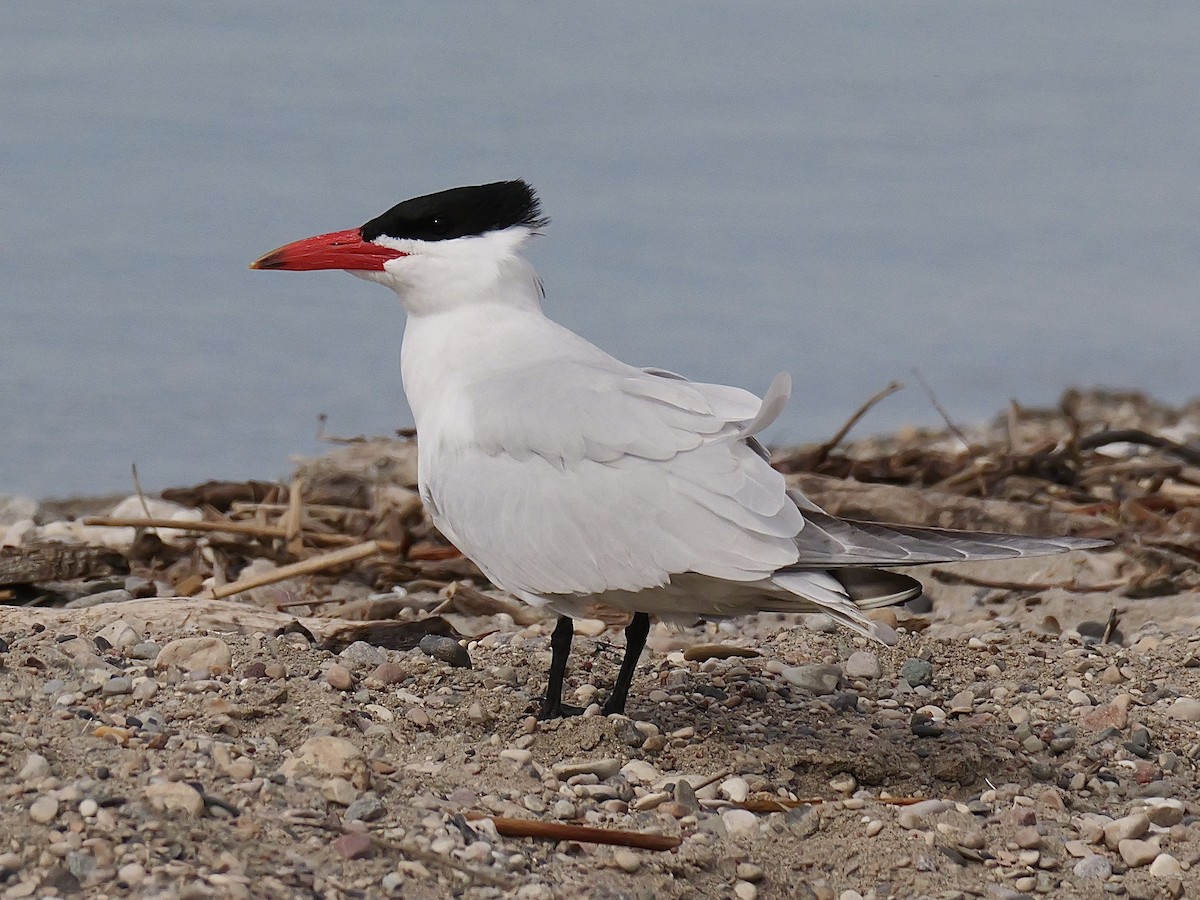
x=962, y=702
x=844, y=783
x=1124, y=829
x=328, y=756
x=817, y=678
x=360, y=653
x=917, y=672
x=175, y=796
x=1093, y=866
x=389, y=673
x=88, y=808
x=1138, y=853
x=735, y=789
x=638, y=771
x=516, y=754
x=748, y=871
x=367, y=808
x=207, y=654
x=36, y=767
x=874, y=827
x=354, y=845
x=744, y=890
x=418, y=716
x=913, y=816
x=863, y=664
x=119, y=634
x=44, y=809
x=739, y=820
x=1027, y=838
x=685, y=797
x=1107, y=715
x=144, y=650
x=1164, y=812
x=601, y=768
x=116, y=686
x=339, y=677
x=131, y=874
x=339, y=791
x=1166, y=866
x=1186, y=709
x=445, y=649
x=627, y=860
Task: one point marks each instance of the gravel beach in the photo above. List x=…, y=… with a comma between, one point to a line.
x=1035, y=732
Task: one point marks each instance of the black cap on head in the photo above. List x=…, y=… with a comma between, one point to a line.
x=459, y=212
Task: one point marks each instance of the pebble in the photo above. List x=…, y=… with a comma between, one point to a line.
x=122, y=684
x=748, y=871
x=144, y=650
x=1124, y=829
x=1166, y=866
x=366, y=808
x=361, y=653
x=445, y=649
x=339, y=791
x=817, y=678
x=912, y=816
x=207, y=654
x=627, y=860
x=744, y=890
x=389, y=673
x=739, y=820
x=119, y=634
x=517, y=755
x=132, y=874
x=1164, y=812
x=1093, y=866
x=353, y=845
x=175, y=796
x=735, y=789
x=1138, y=853
x=418, y=716
x=339, y=677
x=1028, y=838
x=36, y=767
x=917, y=672
x=1186, y=709
x=328, y=756
x=863, y=664
x=44, y=809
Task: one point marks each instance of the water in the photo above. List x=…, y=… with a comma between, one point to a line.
x=1004, y=195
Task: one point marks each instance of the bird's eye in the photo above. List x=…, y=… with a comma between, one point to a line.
x=439, y=226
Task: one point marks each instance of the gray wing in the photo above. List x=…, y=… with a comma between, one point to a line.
x=828, y=542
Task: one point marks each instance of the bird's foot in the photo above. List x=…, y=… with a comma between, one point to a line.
x=558, y=710
x=614, y=704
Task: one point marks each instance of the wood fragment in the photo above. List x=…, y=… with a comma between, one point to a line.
x=584, y=834
x=53, y=561
x=309, y=566
x=947, y=577
x=247, y=528
x=1110, y=626
x=822, y=452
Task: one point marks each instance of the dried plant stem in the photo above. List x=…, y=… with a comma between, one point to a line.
x=246, y=528
x=561, y=831
x=306, y=567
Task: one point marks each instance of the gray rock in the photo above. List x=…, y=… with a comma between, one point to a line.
x=116, y=686
x=118, y=596
x=366, y=808
x=917, y=672
x=446, y=649
x=1093, y=866
x=1185, y=708
x=145, y=650
x=363, y=654
x=816, y=679
x=207, y=654
x=863, y=664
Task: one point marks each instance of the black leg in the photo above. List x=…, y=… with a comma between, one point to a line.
x=635, y=642
x=560, y=647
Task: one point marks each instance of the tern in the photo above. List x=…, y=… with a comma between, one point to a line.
x=571, y=478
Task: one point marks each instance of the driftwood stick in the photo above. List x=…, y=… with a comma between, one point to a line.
x=946, y=577
x=560, y=831
x=941, y=410
x=305, y=567
x=823, y=451
x=247, y=528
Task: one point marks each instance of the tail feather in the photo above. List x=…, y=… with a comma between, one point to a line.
x=829, y=542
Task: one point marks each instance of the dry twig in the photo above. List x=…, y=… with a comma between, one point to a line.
x=305, y=567
x=561, y=831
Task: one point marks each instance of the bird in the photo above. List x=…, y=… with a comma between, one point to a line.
x=571, y=478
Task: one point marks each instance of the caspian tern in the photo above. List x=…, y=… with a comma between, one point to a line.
x=572, y=478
